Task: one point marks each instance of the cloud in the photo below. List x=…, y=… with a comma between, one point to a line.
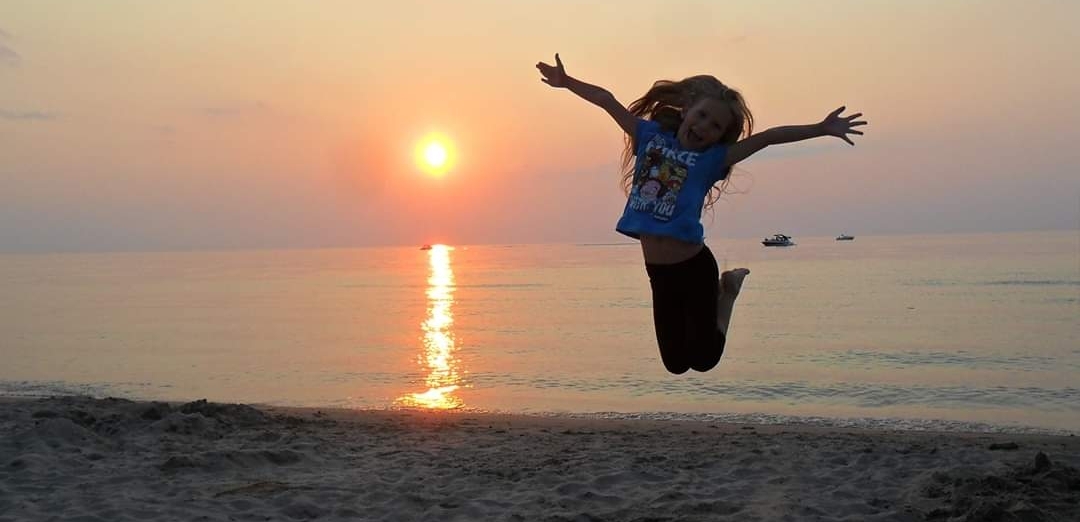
x=8, y=56
x=736, y=39
x=27, y=115
x=238, y=110
x=809, y=149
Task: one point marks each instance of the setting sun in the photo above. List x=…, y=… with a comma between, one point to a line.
x=434, y=155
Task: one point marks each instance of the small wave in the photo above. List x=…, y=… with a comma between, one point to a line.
x=1043, y=282
x=869, y=423
x=1062, y=300
x=870, y=359
x=999, y=282
x=857, y=395
x=415, y=286
x=502, y=285
x=121, y=390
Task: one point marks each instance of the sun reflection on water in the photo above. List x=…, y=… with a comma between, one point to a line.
x=437, y=358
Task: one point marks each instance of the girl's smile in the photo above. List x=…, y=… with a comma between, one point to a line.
x=704, y=124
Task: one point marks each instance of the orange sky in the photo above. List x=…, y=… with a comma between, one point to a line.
x=201, y=124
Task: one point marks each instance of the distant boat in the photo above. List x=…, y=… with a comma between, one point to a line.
x=425, y=247
x=845, y=237
x=778, y=240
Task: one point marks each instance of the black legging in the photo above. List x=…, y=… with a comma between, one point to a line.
x=684, y=312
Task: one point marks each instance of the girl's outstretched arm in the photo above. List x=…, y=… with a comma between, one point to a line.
x=832, y=125
x=555, y=76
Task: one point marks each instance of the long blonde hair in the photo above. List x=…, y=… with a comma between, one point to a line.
x=664, y=103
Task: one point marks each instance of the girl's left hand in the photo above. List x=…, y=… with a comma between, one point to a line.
x=554, y=75
x=840, y=126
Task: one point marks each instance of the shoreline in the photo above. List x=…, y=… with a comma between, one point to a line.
x=870, y=424
x=115, y=459
x=678, y=422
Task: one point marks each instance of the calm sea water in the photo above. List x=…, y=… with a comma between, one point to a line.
x=897, y=331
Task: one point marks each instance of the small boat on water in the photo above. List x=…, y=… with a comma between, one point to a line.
x=425, y=247
x=778, y=240
x=845, y=237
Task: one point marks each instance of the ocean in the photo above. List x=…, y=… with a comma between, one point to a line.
x=951, y=332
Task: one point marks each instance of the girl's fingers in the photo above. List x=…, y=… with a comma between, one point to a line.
x=853, y=116
x=837, y=112
x=855, y=132
x=558, y=61
x=848, y=140
x=857, y=123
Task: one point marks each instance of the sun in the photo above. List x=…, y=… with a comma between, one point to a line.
x=434, y=155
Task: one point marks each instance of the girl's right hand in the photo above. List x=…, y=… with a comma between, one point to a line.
x=840, y=126
x=554, y=76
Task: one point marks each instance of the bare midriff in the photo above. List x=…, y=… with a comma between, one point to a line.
x=663, y=250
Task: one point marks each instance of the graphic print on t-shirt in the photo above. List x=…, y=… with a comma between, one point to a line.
x=659, y=177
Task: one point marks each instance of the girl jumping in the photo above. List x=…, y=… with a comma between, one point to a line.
x=682, y=138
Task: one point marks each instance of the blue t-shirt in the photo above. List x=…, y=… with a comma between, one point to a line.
x=669, y=185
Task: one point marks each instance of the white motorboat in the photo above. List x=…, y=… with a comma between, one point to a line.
x=778, y=240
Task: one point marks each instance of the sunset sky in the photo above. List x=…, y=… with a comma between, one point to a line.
x=203, y=124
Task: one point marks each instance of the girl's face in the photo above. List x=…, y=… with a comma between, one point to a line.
x=704, y=124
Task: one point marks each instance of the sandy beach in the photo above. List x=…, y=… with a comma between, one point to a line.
x=77, y=458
